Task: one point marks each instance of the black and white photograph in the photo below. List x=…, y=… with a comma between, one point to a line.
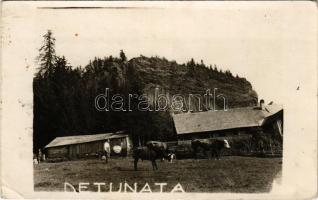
x=161, y=97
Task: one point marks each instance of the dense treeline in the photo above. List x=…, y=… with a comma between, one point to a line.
x=64, y=95
x=64, y=99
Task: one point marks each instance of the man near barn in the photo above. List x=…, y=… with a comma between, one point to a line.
x=39, y=156
x=107, y=150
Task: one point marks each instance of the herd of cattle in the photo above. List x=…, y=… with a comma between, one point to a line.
x=157, y=150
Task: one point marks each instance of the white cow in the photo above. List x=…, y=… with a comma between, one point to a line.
x=171, y=157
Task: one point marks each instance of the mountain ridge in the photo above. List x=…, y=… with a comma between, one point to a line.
x=172, y=78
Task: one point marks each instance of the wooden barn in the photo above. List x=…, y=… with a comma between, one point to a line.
x=73, y=147
x=229, y=123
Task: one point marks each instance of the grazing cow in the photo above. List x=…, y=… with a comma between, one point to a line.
x=159, y=144
x=213, y=148
x=149, y=152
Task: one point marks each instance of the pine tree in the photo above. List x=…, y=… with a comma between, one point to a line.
x=191, y=67
x=202, y=63
x=47, y=55
x=122, y=56
x=215, y=68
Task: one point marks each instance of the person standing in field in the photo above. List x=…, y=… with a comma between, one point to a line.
x=43, y=157
x=107, y=150
x=39, y=156
x=35, y=159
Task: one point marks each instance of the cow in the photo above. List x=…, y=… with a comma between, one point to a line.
x=171, y=157
x=149, y=152
x=214, y=148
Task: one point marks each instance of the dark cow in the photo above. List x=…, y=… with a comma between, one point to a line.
x=149, y=152
x=214, y=148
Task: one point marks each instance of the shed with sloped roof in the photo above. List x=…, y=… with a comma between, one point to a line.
x=78, y=146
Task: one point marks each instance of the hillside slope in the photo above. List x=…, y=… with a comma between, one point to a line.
x=172, y=78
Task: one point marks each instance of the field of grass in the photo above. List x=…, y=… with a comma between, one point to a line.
x=230, y=174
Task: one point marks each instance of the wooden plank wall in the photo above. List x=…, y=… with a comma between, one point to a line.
x=89, y=149
x=85, y=149
x=57, y=152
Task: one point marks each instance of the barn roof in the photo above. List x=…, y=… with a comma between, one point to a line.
x=186, y=123
x=68, y=140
